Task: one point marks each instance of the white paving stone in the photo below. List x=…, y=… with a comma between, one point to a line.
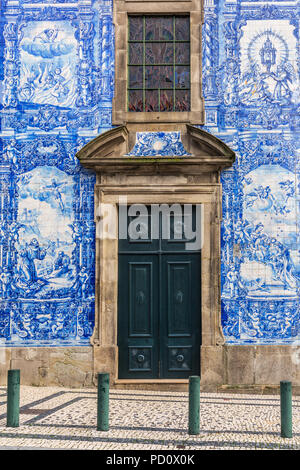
x=67, y=419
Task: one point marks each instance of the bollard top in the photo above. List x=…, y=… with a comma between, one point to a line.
x=103, y=378
x=13, y=377
x=13, y=371
x=194, y=379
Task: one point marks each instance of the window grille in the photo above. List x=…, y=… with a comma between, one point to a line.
x=158, y=63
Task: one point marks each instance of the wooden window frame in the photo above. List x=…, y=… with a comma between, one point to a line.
x=125, y=8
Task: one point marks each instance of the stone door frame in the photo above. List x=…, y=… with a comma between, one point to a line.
x=104, y=338
x=192, y=179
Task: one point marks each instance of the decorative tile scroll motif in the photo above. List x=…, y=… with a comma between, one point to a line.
x=158, y=144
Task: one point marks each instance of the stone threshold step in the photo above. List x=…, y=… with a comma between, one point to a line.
x=177, y=385
x=151, y=381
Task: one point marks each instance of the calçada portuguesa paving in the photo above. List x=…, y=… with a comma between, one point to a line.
x=60, y=418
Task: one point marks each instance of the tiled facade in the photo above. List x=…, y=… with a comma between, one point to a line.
x=57, y=85
x=57, y=81
x=251, y=84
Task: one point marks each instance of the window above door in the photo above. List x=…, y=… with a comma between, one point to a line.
x=158, y=62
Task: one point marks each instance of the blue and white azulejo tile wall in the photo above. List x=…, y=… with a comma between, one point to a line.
x=57, y=85
x=252, y=99
x=57, y=79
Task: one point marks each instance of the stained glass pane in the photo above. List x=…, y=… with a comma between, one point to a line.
x=166, y=77
x=182, y=28
x=159, y=53
x=151, y=77
x=182, y=77
x=151, y=101
x=182, y=53
x=135, y=77
x=135, y=100
x=135, y=28
x=159, y=28
x=163, y=79
x=182, y=100
x=159, y=77
x=136, y=53
x=166, y=100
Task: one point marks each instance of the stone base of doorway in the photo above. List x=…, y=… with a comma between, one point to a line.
x=69, y=366
x=163, y=385
x=249, y=368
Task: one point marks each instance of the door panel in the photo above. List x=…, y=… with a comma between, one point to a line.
x=178, y=278
x=180, y=315
x=159, y=309
x=141, y=299
x=137, y=316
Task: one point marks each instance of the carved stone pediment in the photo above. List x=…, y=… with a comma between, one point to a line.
x=205, y=144
x=189, y=150
x=104, y=146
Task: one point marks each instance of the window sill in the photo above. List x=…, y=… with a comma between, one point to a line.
x=192, y=117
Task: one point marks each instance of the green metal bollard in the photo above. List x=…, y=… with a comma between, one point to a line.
x=194, y=404
x=103, y=402
x=286, y=408
x=13, y=398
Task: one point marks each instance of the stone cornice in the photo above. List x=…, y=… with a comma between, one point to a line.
x=107, y=153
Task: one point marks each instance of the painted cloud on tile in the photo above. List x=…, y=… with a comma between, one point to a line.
x=161, y=144
x=48, y=64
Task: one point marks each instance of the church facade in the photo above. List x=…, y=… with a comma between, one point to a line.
x=112, y=103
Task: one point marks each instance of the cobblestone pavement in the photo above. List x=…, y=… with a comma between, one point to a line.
x=59, y=418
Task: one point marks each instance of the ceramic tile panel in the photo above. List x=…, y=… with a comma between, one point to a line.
x=251, y=87
x=57, y=86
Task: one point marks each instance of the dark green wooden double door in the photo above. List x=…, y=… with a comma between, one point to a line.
x=159, y=309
